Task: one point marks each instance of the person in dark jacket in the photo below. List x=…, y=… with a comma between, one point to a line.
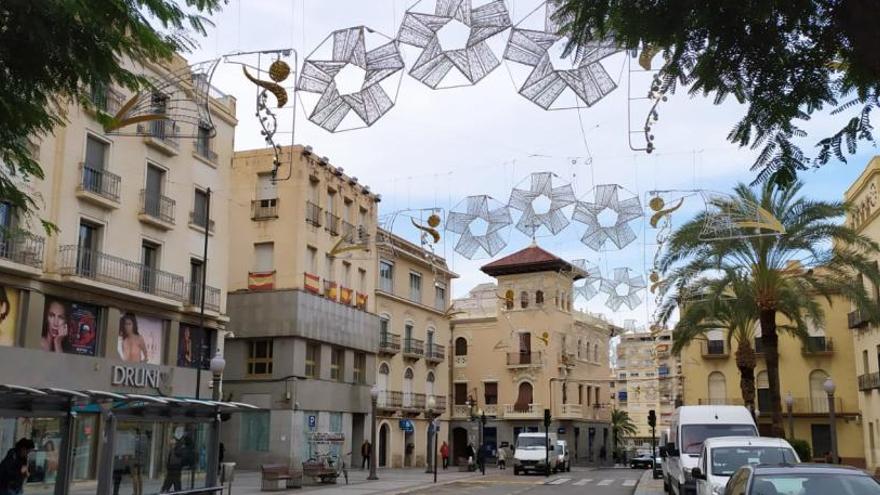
x=14, y=468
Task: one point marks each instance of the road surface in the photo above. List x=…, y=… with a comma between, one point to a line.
x=578, y=482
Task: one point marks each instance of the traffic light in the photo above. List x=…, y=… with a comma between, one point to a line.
x=652, y=418
x=546, y=418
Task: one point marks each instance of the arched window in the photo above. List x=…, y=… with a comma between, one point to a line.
x=384, y=369
x=461, y=346
x=818, y=396
x=508, y=299
x=429, y=384
x=524, y=299
x=717, y=388
x=539, y=298
x=523, y=398
x=408, y=397
x=382, y=383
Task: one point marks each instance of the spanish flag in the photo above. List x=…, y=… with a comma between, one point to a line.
x=361, y=301
x=312, y=283
x=330, y=290
x=345, y=295
x=261, y=280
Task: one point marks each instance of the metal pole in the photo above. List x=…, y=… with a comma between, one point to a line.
x=192, y=474
x=65, y=464
x=373, y=456
x=790, y=423
x=831, y=417
x=547, y=449
x=482, y=452
x=429, y=451
x=435, y=452
x=214, y=451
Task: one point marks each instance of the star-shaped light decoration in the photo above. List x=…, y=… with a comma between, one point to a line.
x=620, y=233
x=549, y=215
x=589, y=286
x=366, y=97
x=585, y=77
x=474, y=59
x=623, y=289
x=494, y=220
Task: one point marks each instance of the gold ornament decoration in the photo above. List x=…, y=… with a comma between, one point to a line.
x=656, y=203
x=279, y=70
x=275, y=88
x=434, y=220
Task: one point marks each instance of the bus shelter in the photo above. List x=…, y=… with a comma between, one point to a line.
x=142, y=444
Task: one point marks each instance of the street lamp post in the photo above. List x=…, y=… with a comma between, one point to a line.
x=429, y=415
x=218, y=364
x=432, y=403
x=789, y=403
x=830, y=387
x=374, y=398
x=482, y=447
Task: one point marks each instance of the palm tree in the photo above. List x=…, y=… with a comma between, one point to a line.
x=622, y=427
x=815, y=256
x=728, y=303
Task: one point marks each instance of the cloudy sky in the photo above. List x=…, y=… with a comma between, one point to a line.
x=436, y=147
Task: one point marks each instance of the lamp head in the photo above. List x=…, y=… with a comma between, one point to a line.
x=218, y=364
x=374, y=392
x=432, y=402
x=789, y=400
x=829, y=386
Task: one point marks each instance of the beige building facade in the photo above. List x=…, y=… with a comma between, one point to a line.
x=520, y=348
x=412, y=298
x=862, y=195
x=645, y=378
x=302, y=275
x=117, y=288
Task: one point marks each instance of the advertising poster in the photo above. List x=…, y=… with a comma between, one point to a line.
x=194, y=346
x=8, y=315
x=140, y=338
x=70, y=327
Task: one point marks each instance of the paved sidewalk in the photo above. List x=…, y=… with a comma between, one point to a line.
x=648, y=485
x=391, y=481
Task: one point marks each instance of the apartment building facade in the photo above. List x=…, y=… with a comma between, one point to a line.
x=412, y=299
x=115, y=292
x=710, y=376
x=863, y=197
x=518, y=348
x=302, y=273
x=645, y=378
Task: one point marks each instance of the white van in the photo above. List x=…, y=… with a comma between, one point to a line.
x=689, y=427
x=531, y=453
x=721, y=457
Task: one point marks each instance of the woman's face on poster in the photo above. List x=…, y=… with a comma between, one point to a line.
x=56, y=317
x=128, y=327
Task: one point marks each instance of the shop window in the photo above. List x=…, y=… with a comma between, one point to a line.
x=259, y=358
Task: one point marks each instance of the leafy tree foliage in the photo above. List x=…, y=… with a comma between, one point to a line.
x=622, y=427
x=53, y=51
x=785, y=59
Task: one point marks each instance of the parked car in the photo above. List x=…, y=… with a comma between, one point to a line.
x=563, y=459
x=721, y=457
x=531, y=453
x=689, y=427
x=801, y=479
x=643, y=461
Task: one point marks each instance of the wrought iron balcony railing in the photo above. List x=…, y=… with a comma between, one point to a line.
x=313, y=214
x=21, y=247
x=100, y=182
x=413, y=348
x=332, y=223
x=157, y=206
x=435, y=352
x=869, y=381
x=389, y=343
x=102, y=267
x=212, y=296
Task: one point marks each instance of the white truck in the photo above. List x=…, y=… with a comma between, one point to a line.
x=531, y=453
x=689, y=427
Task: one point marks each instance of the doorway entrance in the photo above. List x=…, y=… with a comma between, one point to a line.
x=383, y=445
x=821, y=440
x=459, y=445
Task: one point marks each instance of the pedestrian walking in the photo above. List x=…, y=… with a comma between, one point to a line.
x=366, y=451
x=481, y=459
x=14, y=468
x=502, y=457
x=472, y=457
x=177, y=458
x=444, y=454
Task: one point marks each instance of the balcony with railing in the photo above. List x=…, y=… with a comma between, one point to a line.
x=435, y=353
x=105, y=99
x=714, y=349
x=461, y=411
x=112, y=270
x=161, y=135
x=523, y=359
x=202, y=149
x=818, y=346
x=349, y=232
x=528, y=411
x=389, y=400
x=571, y=411
x=857, y=319
x=720, y=401
x=332, y=223
x=818, y=404
x=156, y=210
x=491, y=410
x=264, y=209
x=99, y=187
x=413, y=348
x=869, y=381
x=194, y=296
x=413, y=402
x=439, y=404
x=313, y=214
x=23, y=248
x=198, y=221
x=389, y=343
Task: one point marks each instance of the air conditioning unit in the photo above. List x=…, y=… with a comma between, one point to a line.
x=338, y=171
x=323, y=161
x=353, y=180
x=307, y=150
x=366, y=189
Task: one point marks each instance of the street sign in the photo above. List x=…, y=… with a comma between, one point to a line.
x=313, y=421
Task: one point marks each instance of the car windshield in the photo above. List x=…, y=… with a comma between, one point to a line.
x=693, y=436
x=814, y=484
x=530, y=443
x=726, y=460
